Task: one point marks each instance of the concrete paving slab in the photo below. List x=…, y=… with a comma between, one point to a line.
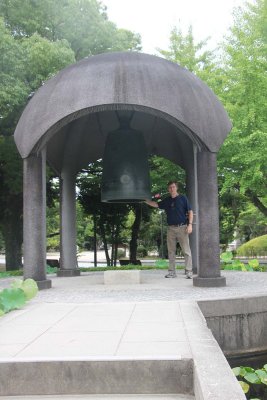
x=97, y=323
x=154, y=332
x=149, y=349
x=104, y=309
x=87, y=330
x=152, y=312
x=10, y=350
x=17, y=334
x=64, y=344
x=44, y=314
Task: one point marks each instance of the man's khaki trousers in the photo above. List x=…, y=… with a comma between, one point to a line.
x=178, y=234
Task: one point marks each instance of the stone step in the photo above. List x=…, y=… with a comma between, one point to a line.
x=104, y=397
x=96, y=377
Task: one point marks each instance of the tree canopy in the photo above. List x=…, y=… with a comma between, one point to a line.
x=37, y=39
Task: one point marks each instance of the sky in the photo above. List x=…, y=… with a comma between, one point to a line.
x=153, y=19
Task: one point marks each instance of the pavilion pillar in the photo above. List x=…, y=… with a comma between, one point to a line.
x=68, y=257
x=192, y=194
x=209, y=273
x=34, y=219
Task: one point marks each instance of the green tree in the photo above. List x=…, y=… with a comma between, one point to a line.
x=185, y=51
x=37, y=39
x=242, y=159
x=83, y=23
x=238, y=77
x=251, y=224
x=109, y=219
x=19, y=76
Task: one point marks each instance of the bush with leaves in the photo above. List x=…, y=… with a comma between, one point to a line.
x=254, y=247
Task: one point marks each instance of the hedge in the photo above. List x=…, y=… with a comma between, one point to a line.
x=254, y=247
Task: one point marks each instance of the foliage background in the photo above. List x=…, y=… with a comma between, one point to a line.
x=41, y=37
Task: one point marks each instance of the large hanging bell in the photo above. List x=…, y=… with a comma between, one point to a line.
x=125, y=176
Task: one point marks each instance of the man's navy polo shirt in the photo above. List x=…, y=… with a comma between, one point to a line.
x=176, y=209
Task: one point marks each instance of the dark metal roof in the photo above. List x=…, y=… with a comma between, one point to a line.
x=137, y=81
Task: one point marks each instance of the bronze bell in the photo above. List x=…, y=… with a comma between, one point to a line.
x=125, y=176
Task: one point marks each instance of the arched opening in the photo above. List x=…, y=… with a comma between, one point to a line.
x=81, y=141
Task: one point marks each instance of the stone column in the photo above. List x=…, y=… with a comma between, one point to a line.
x=209, y=273
x=68, y=257
x=192, y=193
x=34, y=220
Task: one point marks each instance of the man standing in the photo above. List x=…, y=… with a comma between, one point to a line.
x=179, y=220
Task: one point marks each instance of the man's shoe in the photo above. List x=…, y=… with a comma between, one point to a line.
x=170, y=275
x=189, y=275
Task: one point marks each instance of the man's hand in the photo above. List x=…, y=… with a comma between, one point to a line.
x=152, y=203
x=189, y=229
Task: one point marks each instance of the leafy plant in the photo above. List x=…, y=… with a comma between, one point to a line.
x=161, y=263
x=229, y=263
x=51, y=270
x=29, y=287
x=226, y=257
x=16, y=296
x=6, y=274
x=247, y=377
x=12, y=299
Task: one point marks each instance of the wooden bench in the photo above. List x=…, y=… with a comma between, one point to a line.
x=52, y=263
x=127, y=262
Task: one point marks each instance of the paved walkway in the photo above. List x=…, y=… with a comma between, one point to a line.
x=89, y=287
x=82, y=320
x=61, y=331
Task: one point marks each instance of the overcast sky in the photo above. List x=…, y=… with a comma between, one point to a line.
x=153, y=19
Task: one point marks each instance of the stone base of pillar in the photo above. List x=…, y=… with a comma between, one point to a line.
x=45, y=284
x=209, y=282
x=68, y=272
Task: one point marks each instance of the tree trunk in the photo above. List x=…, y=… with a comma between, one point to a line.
x=135, y=233
x=112, y=246
x=256, y=201
x=95, y=242
x=103, y=235
x=117, y=231
x=13, y=233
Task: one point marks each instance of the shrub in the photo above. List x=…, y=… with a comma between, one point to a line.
x=141, y=251
x=120, y=254
x=254, y=247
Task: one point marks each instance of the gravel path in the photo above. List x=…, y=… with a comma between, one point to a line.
x=89, y=287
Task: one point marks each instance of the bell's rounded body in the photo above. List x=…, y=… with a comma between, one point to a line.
x=125, y=167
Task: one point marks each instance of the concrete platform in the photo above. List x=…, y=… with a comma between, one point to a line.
x=84, y=338
x=126, y=348
x=90, y=288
